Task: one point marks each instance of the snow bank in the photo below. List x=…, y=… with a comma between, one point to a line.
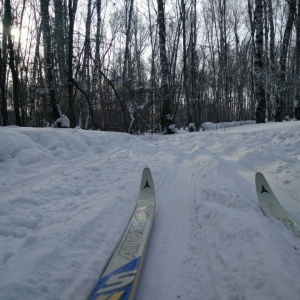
x=223, y=125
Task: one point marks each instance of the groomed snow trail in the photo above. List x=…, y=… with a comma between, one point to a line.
x=210, y=239
x=169, y=239
x=67, y=195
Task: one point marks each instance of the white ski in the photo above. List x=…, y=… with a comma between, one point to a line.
x=120, y=277
x=270, y=205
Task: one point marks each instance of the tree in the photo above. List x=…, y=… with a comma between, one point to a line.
x=48, y=62
x=223, y=58
x=126, y=76
x=283, y=58
x=7, y=24
x=297, y=79
x=272, y=60
x=71, y=99
x=259, y=70
x=60, y=54
x=32, y=88
x=100, y=64
x=3, y=62
x=166, y=118
x=193, y=64
x=153, y=68
x=185, y=58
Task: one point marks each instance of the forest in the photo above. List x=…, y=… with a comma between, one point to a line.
x=148, y=65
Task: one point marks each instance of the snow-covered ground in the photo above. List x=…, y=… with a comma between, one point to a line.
x=67, y=195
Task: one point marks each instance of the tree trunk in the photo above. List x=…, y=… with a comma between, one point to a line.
x=184, y=58
x=48, y=65
x=3, y=62
x=12, y=61
x=166, y=117
x=193, y=64
x=272, y=60
x=153, y=82
x=32, y=88
x=60, y=41
x=72, y=12
x=283, y=59
x=223, y=60
x=297, y=73
x=259, y=69
x=126, y=78
x=96, y=80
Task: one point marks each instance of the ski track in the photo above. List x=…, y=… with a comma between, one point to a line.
x=164, y=257
x=214, y=207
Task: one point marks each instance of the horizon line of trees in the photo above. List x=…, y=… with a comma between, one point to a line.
x=135, y=66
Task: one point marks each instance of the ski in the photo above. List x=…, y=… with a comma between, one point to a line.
x=120, y=277
x=270, y=205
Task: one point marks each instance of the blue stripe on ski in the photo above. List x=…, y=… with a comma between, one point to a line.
x=117, y=284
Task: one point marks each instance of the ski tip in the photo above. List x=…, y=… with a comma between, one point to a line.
x=260, y=179
x=261, y=183
x=259, y=176
x=147, y=170
x=147, y=184
x=147, y=174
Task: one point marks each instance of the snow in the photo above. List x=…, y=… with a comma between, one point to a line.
x=67, y=195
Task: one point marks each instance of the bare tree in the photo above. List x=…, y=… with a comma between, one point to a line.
x=185, y=58
x=167, y=117
x=3, y=62
x=48, y=62
x=72, y=7
x=283, y=58
x=259, y=69
x=126, y=76
x=96, y=78
x=297, y=74
x=272, y=63
x=223, y=58
x=60, y=53
x=153, y=70
x=7, y=22
x=33, y=88
x=217, y=62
